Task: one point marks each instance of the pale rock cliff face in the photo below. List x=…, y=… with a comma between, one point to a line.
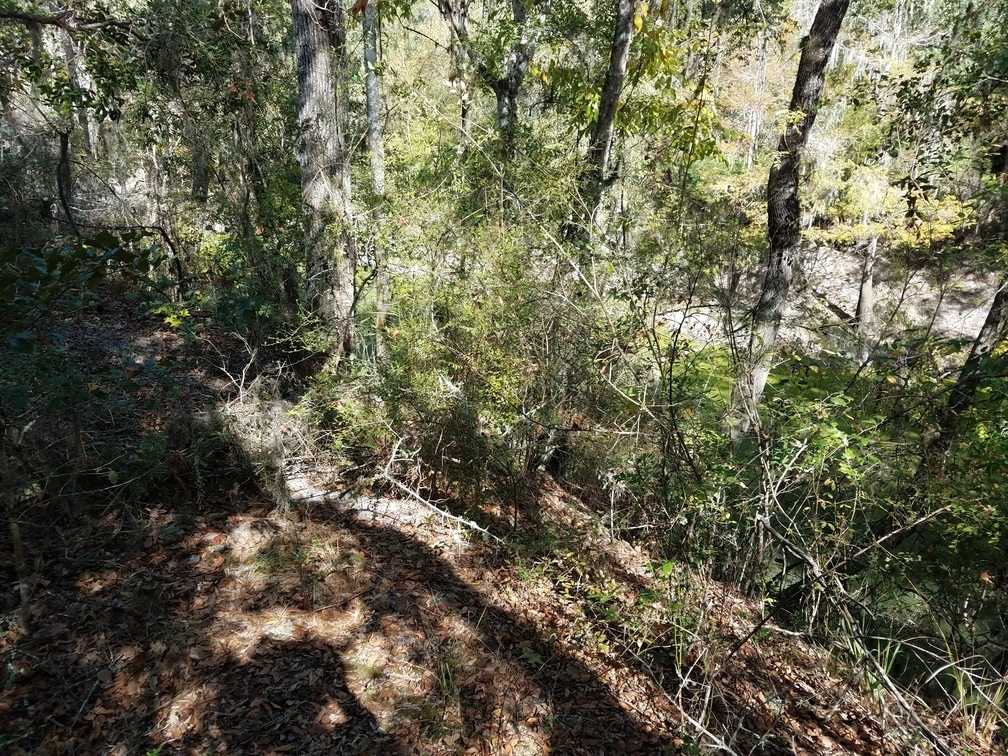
x=824, y=299
x=906, y=301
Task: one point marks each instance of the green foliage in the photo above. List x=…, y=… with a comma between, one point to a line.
x=33, y=281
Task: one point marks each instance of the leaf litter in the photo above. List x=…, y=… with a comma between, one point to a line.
x=358, y=624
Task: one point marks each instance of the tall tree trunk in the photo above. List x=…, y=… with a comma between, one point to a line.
x=508, y=87
x=456, y=13
x=341, y=69
x=596, y=175
x=376, y=149
x=376, y=143
x=755, y=116
x=199, y=190
x=783, y=219
x=324, y=197
x=81, y=79
x=64, y=181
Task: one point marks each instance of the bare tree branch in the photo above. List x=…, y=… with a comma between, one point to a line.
x=64, y=20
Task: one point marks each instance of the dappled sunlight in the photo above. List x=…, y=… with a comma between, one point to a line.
x=324, y=633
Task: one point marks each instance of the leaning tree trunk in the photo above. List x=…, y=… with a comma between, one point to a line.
x=329, y=257
x=596, y=174
x=964, y=391
x=783, y=219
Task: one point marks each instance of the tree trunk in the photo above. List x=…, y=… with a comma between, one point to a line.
x=341, y=69
x=755, y=116
x=199, y=191
x=456, y=13
x=81, y=79
x=599, y=154
x=64, y=181
x=865, y=313
x=376, y=143
x=376, y=149
x=783, y=219
x=506, y=88
x=993, y=331
x=324, y=178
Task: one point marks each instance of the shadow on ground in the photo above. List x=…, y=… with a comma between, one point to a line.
x=339, y=636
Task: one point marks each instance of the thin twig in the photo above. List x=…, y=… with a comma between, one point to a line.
x=841, y=604
x=387, y=475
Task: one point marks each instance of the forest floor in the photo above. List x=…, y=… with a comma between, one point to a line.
x=215, y=620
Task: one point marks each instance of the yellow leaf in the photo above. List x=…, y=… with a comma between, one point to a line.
x=644, y=9
x=638, y=21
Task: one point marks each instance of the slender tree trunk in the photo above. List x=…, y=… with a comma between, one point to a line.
x=598, y=159
x=376, y=143
x=200, y=189
x=456, y=13
x=341, y=69
x=865, y=313
x=506, y=88
x=783, y=219
x=324, y=196
x=80, y=78
x=755, y=115
x=991, y=334
x=64, y=180
x=376, y=149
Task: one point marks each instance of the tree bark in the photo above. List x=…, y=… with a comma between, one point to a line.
x=596, y=175
x=324, y=175
x=80, y=78
x=64, y=181
x=199, y=191
x=376, y=143
x=783, y=219
x=341, y=69
x=456, y=13
x=376, y=149
x=865, y=313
